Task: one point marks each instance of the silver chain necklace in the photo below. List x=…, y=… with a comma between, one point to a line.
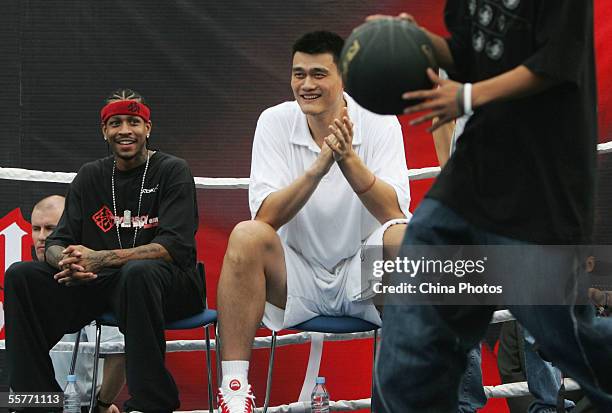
x=127, y=213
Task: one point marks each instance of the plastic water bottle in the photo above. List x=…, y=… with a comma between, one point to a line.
x=319, y=400
x=72, y=399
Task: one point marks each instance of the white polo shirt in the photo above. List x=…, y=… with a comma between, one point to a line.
x=333, y=223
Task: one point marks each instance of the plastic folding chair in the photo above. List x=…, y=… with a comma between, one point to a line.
x=322, y=324
x=205, y=319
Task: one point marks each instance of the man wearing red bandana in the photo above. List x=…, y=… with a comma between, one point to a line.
x=125, y=243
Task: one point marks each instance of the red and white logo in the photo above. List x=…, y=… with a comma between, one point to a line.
x=235, y=385
x=104, y=219
x=15, y=246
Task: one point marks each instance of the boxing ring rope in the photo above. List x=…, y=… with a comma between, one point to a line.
x=19, y=174
x=504, y=390
x=604, y=147
x=259, y=342
x=501, y=391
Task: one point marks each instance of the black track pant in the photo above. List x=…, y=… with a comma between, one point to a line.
x=143, y=294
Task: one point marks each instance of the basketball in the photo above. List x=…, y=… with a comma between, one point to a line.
x=382, y=59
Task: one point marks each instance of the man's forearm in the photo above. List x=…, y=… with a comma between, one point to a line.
x=280, y=206
x=379, y=198
x=442, y=138
x=117, y=258
x=515, y=83
x=53, y=255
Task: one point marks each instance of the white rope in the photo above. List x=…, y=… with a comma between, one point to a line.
x=509, y=390
x=334, y=406
x=200, y=345
x=423, y=173
x=221, y=183
x=605, y=147
x=19, y=174
x=259, y=342
x=520, y=389
x=501, y=316
x=304, y=407
x=502, y=391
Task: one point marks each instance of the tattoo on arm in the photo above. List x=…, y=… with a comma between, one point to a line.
x=105, y=259
x=53, y=255
x=153, y=251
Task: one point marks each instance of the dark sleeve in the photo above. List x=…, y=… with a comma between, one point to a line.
x=178, y=216
x=459, y=26
x=563, y=33
x=68, y=230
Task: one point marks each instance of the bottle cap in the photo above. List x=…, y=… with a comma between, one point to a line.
x=320, y=380
x=71, y=378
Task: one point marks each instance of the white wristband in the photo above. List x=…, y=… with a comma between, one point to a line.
x=467, y=99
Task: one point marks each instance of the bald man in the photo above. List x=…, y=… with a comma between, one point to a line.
x=45, y=216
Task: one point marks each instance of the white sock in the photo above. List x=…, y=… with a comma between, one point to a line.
x=235, y=369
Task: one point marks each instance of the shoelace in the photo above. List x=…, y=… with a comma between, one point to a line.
x=236, y=401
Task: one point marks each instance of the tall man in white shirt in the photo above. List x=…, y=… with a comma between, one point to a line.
x=327, y=177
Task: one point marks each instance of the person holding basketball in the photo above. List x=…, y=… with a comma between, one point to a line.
x=522, y=174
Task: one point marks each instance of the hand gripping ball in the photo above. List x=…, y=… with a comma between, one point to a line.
x=384, y=58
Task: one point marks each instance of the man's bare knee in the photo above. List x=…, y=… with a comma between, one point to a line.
x=248, y=242
x=252, y=233
x=255, y=250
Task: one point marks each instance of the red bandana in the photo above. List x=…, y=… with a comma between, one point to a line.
x=125, y=107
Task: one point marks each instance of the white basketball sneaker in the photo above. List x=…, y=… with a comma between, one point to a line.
x=237, y=398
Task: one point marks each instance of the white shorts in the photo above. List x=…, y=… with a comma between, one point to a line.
x=312, y=290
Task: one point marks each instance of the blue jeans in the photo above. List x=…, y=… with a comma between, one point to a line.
x=423, y=349
x=471, y=393
x=543, y=380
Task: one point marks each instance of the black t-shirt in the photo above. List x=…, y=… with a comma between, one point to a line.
x=525, y=168
x=168, y=214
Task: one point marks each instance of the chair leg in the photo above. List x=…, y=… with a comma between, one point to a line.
x=94, y=381
x=209, y=370
x=270, y=367
x=75, y=352
x=218, y=353
x=375, y=345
